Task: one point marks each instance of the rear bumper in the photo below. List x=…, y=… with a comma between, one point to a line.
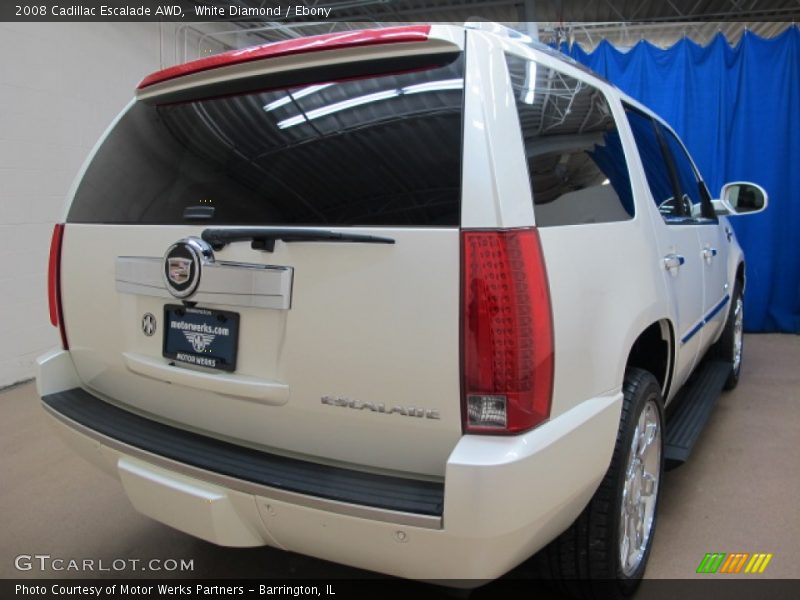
x=503, y=498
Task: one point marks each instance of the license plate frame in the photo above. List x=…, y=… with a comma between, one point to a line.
x=202, y=337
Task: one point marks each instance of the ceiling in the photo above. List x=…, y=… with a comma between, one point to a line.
x=584, y=22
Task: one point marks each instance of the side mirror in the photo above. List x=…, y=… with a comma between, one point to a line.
x=742, y=198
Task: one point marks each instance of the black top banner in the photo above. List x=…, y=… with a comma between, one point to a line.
x=166, y=10
x=356, y=589
x=372, y=10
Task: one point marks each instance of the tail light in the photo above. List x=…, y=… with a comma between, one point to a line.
x=54, y=283
x=507, y=332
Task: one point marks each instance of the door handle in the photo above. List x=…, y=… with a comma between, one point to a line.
x=672, y=263
x=709, y=253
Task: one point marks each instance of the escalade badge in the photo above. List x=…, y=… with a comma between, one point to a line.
x=379, y=407
x=183, y=264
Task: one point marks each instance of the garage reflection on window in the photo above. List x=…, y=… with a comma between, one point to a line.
x=575, y=159
x=379, y=150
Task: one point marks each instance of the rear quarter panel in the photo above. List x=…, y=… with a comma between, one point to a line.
x=606, y=283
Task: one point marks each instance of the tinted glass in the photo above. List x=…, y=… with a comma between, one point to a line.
x=655, y=168
x=378, y=150
x=684, y=170
x=575, y=159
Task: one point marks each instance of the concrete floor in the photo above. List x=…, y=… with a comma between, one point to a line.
x=738, y=492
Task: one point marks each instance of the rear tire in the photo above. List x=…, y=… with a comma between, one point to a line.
x=604, y=552
x=729, y=347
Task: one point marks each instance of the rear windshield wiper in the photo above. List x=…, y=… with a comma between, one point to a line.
x=264, y=239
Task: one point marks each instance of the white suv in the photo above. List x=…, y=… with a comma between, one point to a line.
x=410, y=299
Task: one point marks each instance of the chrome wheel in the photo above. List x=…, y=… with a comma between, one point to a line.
x=738, y=328
x=642, y=478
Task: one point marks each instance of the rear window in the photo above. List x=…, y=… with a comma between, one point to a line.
x=378, y=150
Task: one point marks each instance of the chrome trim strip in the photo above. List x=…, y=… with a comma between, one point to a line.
x=720, y=305
x=247, y=487
x=249, y=285
x=704, y=321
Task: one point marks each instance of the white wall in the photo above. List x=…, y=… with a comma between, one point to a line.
x=60, y=86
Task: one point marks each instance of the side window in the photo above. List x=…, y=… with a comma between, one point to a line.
x=679, y=194
x=576, y=164
x=692, y=188
x=656, y=169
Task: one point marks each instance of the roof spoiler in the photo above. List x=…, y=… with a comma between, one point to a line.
x=331, y=41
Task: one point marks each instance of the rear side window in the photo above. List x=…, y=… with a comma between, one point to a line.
x=670, y=172
x=576, y=164
x=693, y=190
x=655, y=167
x=684, y=171
x=378, y=150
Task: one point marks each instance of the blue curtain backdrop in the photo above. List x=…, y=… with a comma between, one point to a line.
x=738, y=111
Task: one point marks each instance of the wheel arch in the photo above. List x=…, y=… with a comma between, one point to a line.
x=740, y=275
x=653, y=350
x=738, y=280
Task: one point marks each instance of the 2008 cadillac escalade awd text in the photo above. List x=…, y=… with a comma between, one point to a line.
x=411, y=299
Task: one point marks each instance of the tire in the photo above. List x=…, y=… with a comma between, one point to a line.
x=586, y=561
x=730, y=345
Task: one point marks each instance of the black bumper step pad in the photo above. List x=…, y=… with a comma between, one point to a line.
x=247, y=464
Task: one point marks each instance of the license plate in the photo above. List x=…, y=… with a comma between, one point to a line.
x=201, y=337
